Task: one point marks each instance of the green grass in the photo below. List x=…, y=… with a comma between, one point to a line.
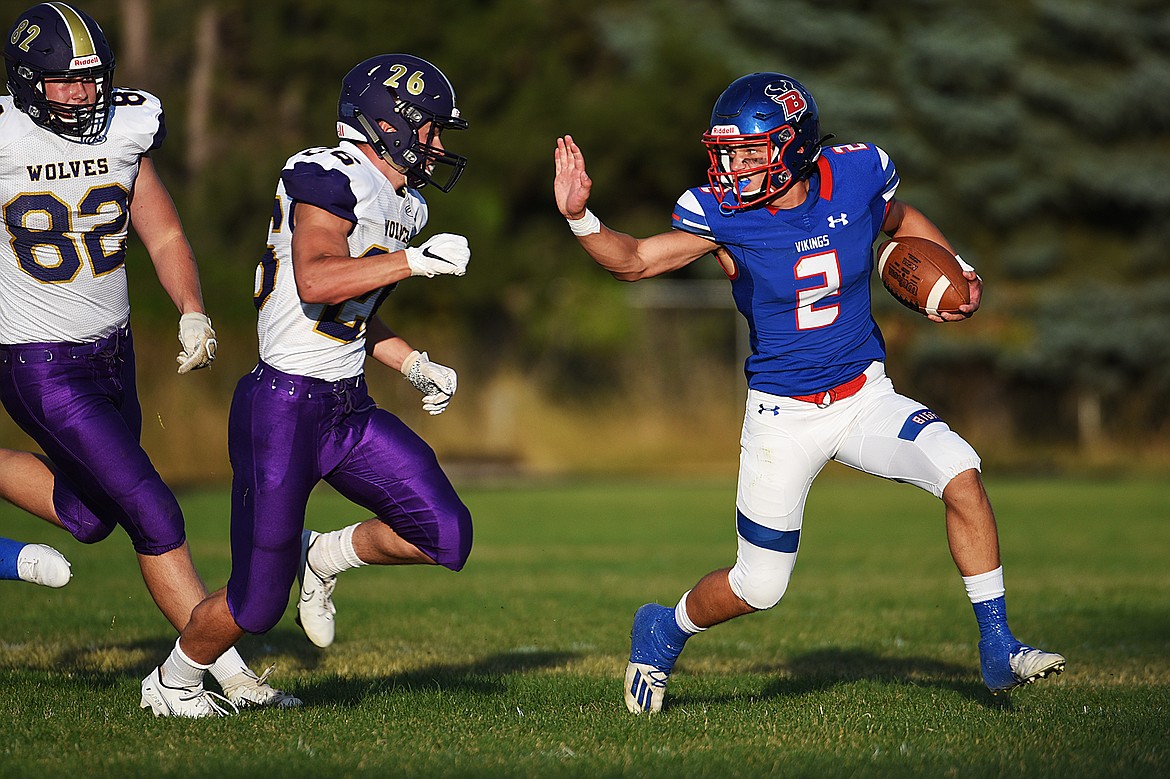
x=512, y=668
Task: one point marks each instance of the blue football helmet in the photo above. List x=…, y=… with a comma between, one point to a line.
x=768, y=109
x=406, y=93
x=55, y=41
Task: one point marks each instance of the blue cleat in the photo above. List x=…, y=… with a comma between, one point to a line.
x=1008, y=664
x=655, y=644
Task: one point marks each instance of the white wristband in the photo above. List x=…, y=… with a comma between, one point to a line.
x=586, y=225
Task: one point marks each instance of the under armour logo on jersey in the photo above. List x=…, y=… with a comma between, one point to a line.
x=775, y=410
x=838, y=221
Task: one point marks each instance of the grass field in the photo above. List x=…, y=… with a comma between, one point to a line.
x=512, y=668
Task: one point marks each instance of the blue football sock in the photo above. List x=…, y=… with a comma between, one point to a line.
x=992, y=618
x=658, y=640
x=9, y=553
x=996, y=644
x=672, y=636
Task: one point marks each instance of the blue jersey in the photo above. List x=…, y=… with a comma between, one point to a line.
x=801, y=276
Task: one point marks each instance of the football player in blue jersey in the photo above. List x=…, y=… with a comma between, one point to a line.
x=75, y=174
x=337, y=247
x=792, y=222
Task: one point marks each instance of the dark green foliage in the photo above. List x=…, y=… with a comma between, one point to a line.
x=1036, y=134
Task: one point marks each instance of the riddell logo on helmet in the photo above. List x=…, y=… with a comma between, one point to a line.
x=789, y=98
x=86, y=62
x=725, y=129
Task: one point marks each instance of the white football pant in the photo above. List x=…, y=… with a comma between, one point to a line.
x=785, y=443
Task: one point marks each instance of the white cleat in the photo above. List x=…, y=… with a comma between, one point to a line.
x=645, y=688
x=1029, y=664
x=1009, y=663
x=315, y=608
x=44, y=565
x=246, y=690
x=166, y=701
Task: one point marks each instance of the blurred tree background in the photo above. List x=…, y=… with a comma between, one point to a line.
x=1035, y=133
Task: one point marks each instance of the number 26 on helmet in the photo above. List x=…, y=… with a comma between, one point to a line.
x=406, y=93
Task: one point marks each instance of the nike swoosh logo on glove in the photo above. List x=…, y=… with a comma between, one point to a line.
x=428, y=253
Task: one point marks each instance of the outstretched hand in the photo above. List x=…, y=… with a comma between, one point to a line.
x=571, y=184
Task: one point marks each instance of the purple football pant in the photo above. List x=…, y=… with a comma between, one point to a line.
x=286, y=433
x=79, y=402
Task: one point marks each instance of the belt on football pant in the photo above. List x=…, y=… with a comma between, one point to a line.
x=107, y=346
x=830, y=396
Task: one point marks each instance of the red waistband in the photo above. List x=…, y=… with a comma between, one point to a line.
x=839, y=392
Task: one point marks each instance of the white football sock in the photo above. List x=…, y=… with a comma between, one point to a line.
x=178, y=670
x=683, y=619
x=984, y=586
x=333, y=553
x=228, y=665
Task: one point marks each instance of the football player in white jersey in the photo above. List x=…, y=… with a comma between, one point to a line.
x=337, y=245
x=75, y=173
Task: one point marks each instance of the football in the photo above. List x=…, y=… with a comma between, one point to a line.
x=922, y=275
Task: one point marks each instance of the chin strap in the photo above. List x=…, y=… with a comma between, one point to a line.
x=376, y=142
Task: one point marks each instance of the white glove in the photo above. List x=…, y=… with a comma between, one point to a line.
x=442, y=253
x=198, y=340
x=436, y=382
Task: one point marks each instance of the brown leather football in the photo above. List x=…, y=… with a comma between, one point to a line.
x=922, y=275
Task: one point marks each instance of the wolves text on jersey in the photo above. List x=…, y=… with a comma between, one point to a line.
x=398, y=231
x=72, y=169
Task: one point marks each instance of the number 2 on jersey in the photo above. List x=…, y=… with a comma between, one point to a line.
x=824, y=268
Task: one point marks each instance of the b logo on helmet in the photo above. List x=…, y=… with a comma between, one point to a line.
x=788, y=97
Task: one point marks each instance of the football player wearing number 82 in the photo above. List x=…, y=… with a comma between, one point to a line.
x=75, y=173
x=792, y=223
x=337, y=246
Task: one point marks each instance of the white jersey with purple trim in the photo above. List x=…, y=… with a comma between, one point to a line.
x=66, y=213
x=318, y=340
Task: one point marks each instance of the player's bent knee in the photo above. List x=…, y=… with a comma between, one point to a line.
x=759, y=592
x=82, y=524
x=92, y=534
x=156, y=525
x=260, y=623
x=964, y=484
x=257, y=615
x=457, y=542
x=966, y=478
